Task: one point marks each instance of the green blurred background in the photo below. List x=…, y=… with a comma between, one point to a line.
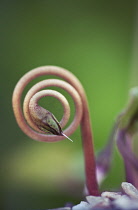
x=92, y=39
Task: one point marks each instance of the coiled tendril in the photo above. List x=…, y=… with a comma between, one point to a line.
x=30, y=106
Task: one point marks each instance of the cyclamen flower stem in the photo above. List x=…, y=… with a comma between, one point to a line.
x=105, y=156
x=75, y=89
x=88, y=148
x=130, y=161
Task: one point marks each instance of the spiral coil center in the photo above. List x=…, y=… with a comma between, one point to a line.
x=24, y=118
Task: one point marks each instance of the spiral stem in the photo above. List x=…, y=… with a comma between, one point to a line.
x=75, y=89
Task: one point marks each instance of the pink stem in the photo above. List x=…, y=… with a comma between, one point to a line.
x=87, y=140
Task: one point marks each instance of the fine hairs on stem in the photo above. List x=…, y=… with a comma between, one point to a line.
x=30, y=106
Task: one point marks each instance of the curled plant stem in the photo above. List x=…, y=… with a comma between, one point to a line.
x=75, y=89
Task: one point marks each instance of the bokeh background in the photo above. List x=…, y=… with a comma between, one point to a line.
x=96, y=41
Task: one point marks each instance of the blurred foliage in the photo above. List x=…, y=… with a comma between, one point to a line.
x=92, y=39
